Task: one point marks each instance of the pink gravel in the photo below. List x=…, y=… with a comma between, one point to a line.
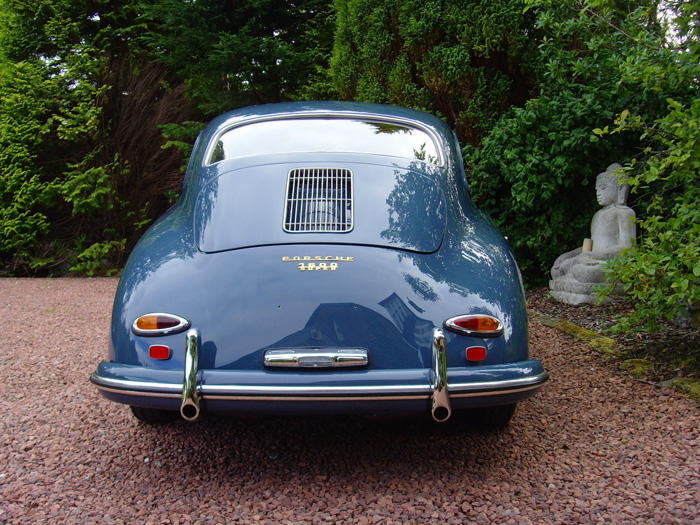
x=593, y=447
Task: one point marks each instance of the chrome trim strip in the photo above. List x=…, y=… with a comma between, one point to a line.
x=138, y=393
x=495, y=392
x=205, y=391
x=146, y=387
x=441, y=409
x=316, y=358
x=369, y=397
x=189, y=406
x=209, y=390
x=507, y=385
x=316, y=399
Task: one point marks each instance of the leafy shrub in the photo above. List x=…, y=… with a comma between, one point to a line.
x=536, y=170
x=535, y=175
x=661, y=275
x=96, y=259
x=80, y=144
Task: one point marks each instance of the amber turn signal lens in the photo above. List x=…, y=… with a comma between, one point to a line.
x=160, y=324
x=156, y=322
x=477, y=325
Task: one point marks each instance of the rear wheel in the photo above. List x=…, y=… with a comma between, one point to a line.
x=482, y=419
x=495, y=417
x=154, y=416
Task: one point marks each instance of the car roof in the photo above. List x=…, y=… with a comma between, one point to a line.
x=326, y=108
x=439, y=130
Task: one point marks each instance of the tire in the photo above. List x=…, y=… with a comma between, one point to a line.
x=154, y=416
x=483, y=419
x=495, y=417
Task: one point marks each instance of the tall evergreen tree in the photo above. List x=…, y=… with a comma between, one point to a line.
x=85, y=105
x=465, y=60
x=234, y=54
x=84, y=169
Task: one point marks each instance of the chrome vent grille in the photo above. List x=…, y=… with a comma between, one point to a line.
x=319, y=200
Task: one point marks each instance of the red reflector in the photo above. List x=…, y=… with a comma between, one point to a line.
x=476, y=353
x=159, y=352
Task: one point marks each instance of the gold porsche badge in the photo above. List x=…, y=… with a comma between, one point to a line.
x=308, y=263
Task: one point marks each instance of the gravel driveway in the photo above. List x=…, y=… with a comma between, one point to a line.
x=593, y=447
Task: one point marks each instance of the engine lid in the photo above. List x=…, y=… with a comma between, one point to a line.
x=361, y=204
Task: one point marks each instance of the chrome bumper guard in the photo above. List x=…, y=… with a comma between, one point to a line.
x=440, y=406
x=189, y=404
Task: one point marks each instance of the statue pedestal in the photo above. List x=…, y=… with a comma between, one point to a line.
x=570, y=291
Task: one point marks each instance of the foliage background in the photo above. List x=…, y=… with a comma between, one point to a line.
x=100, y=101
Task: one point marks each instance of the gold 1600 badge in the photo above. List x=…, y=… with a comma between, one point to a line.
x=311, y=264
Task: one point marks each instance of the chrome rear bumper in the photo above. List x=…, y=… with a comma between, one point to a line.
x=355, y=390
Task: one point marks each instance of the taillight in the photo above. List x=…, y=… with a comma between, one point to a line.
x=476, y=325
x=159, y=324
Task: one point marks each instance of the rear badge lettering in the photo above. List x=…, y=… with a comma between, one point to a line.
x=310, y=264
x=320, y=266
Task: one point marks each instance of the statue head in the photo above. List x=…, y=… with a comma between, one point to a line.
x=609, y=189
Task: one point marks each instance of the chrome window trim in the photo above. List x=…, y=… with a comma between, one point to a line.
x=367, y=117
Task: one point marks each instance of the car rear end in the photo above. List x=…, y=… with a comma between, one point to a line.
x=323, y=281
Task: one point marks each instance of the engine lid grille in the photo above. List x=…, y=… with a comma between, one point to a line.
x=319, y=200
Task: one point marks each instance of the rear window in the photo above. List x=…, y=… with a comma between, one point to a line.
x=312, y=135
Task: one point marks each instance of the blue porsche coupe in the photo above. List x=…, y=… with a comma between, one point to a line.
x=323, y=258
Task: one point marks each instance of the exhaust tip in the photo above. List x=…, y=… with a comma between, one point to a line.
x=189, y=412
x=441, y=414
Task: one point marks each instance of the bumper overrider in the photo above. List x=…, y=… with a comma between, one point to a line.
x=354, y=391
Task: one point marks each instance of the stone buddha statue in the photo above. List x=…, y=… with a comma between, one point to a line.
x=577, y=273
